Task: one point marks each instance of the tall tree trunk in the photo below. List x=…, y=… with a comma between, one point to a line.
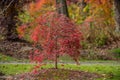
x=117, y=14
x=9, y=13
x=62, y=7
x=11, y=22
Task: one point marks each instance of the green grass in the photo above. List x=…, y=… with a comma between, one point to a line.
x=4, y=58
x=111, y=72
x=12, y=69
x=65, y=58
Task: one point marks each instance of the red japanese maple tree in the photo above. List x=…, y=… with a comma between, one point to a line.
x=57, y=34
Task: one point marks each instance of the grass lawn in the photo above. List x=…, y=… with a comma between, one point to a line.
x=111, y=72
x=4, y=58
x=65, y=59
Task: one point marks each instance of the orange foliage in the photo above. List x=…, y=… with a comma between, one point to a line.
x=21, y=30
x=101, y=9
x=106, y=5
x=99, y=25
x=35, y=6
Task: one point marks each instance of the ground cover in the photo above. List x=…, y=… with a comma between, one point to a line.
x=107, y=71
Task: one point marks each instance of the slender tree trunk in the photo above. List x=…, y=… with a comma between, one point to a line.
x=77, y=61
x=56, y=56
x=56, y=61
x=117, y=14
x=62, y=7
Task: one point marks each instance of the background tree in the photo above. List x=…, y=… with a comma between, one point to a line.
x=62, y=7
x=117, y=14
x=9, y=11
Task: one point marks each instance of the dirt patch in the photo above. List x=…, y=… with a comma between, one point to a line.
x=57, y=74
x=13, y=49
x=19, y=50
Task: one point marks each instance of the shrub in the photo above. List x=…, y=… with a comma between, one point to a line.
x=116, y=52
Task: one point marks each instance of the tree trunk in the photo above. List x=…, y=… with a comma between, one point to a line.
x=9, y=13
x=11, y=22
x=77, y=61
x=117, y=14
x=56, y=55
x=62, y=7
x=56, y=61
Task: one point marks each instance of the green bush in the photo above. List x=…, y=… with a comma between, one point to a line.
x=101, y=40
x=116, y=52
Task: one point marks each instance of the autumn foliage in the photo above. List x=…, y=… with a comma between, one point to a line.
x=57, y=34
x=38, y=6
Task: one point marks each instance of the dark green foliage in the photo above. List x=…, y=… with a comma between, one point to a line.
x=116, y=52
x=101, y=40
